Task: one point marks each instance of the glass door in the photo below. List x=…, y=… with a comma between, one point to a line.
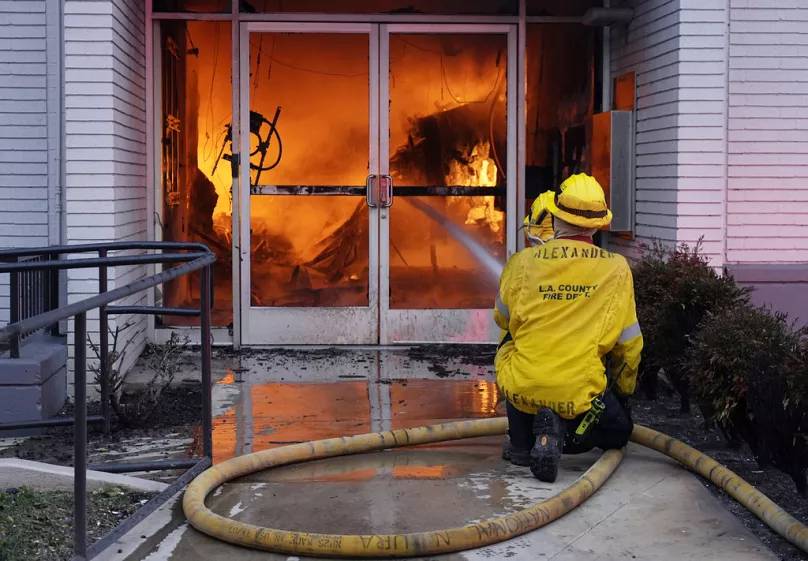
x=448, y=124
x=373, y=151
x=309, y=224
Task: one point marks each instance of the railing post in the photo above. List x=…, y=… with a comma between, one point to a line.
x=212, y=287
x=22, y=285
x=25, y=295
x=204, y=333
x=53, y=292
x=80, y=438
x=103, y=345
x=40, y=290
x=35, y=294
x=39, y=299
x=14, y=307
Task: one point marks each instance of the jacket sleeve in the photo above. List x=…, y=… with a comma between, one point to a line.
x=625, y=355
x=502, y=311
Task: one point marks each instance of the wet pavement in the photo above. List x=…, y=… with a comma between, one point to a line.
x=650, y=509
x=284, y=397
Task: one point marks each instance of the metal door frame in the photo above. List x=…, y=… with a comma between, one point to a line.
x=237, y=20
x=377, y=323
x=297, y=325
x=402, y=326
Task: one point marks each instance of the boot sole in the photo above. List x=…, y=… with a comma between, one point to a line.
x=546, y=453
x=544, y=459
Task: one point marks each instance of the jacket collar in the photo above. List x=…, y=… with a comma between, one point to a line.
x=586, y=239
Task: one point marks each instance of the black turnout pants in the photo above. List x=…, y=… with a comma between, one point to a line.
x=612, y=430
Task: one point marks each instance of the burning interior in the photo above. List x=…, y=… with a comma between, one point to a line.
x=195, y=91
x=448, y=127
x=310, y=119
x=447, y=123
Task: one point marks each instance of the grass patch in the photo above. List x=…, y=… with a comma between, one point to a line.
x=37, y=524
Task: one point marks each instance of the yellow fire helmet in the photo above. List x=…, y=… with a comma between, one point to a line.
x=539, y=223
x=581, y=202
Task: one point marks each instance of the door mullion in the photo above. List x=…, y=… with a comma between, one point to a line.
x=384, y=169
x=513, y=141
x=236, y=207
x=375, y=156
x=242, y=185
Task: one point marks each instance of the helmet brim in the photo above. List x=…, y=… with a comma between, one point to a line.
x=580, y=221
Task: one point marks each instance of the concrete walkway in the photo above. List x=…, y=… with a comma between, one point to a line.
x=38, y=475
x=651, y=509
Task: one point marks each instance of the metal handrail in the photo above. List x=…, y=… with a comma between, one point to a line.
x=198, y=258
x=105, y=246
x=48, y=318
x=102, y=262
x=147, y=259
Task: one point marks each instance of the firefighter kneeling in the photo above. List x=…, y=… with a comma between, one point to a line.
x=571, y=346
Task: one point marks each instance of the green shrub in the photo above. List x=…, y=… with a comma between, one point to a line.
x=748, y=374
x=777, y=407
x=731, y=348
x=651, y=284
x=675, y=289
x=797, y=373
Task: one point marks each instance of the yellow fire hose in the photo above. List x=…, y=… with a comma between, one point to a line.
x=733, y=484
x=452, y=539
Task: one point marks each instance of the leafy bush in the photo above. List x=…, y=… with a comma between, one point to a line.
x=777, y=406
x=675, y=289
x=651, y=282
x=748, y=373
x=731, y=348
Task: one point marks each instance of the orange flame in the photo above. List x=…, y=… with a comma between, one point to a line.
x=479, y=171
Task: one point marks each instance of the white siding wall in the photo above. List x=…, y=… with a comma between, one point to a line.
x=649, y=46
x=25, y=76
x=678, y=50
x=768, y=132
x=701, y=127
x=105, y=106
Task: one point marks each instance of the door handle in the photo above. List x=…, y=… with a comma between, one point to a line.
x=372, y=191
x=386, y=191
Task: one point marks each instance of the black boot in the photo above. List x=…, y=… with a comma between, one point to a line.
x=546, y=453
x=514, y=455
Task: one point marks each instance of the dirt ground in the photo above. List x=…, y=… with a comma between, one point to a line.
x=178, y=413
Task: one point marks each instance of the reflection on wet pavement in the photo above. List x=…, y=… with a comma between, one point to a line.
x=274, y=414
x=270, y=398
x=398, y=490
x=423, y=402
x=284, y=398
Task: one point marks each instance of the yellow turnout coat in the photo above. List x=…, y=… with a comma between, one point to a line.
x=568, y=307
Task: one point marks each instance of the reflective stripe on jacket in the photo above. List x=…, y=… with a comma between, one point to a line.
x=569, y=307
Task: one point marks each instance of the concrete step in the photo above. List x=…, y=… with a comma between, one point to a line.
x=34, y=386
